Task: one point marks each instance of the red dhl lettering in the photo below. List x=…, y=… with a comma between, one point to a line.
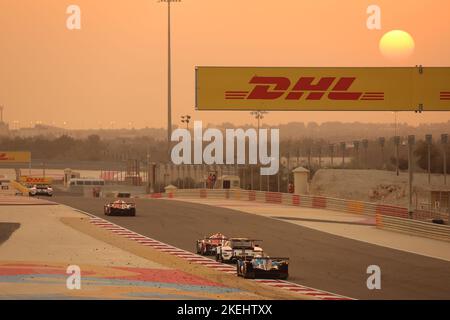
x=308, y=88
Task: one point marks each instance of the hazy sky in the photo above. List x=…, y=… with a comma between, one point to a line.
x=114, y=68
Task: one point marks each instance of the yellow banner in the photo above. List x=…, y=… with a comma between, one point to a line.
x=15, y=156
x=322, y=89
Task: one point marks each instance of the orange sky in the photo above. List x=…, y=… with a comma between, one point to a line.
x=114, y=69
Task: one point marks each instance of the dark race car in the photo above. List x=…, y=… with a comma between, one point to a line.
x=120, y=208
x=208, y=245
x=263, y=267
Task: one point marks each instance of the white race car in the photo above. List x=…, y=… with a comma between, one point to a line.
x=41, y=190
x=235, y=248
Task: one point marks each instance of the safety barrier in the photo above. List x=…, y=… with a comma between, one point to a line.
x=415, y=227
x=387, y=216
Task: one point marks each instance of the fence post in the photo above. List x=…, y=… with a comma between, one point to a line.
x=278, y=181
x=444, y=141
x=251, y=177
x=429, y=140
x=343, y=153
x=411, y=142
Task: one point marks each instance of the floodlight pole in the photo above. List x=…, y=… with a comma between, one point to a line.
x=169, y=80
x=169, y=76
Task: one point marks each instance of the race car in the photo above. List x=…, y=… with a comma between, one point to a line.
x=208, y=245
x=259, y=267
x=234, y=248
x=40, y=190
x=120, y=208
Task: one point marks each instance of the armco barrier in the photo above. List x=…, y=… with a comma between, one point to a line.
x=387, y=217
x=415, y=227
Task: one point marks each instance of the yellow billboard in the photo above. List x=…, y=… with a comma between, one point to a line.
x=322, y=89
x=35, y=180
x=15, y=156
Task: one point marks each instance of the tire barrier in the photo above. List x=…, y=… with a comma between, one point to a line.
x=387, y=217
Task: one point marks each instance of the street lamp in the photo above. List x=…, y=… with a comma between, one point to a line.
x=186, y=119
x=259, y=115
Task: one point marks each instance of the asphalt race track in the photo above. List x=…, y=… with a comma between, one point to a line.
x=6, y=230
x=319, y=260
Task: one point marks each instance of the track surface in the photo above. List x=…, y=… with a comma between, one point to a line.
x=6, y=230
x=319, y=260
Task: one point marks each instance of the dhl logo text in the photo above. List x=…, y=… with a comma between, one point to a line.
x=35, y=179
x=308, y=88
x=4, y=157
x=445, y=95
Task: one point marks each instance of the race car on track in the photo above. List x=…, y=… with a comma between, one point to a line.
x=263, y=267
x=41, y=190
x=208, y=245
x=234, y=248
x=120, y=208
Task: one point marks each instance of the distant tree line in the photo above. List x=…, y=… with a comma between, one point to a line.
x=92, y=148
x=95, y=148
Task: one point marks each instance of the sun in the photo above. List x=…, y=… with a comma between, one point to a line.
x=397, y=45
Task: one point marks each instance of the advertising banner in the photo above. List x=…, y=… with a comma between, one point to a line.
x=322, y=89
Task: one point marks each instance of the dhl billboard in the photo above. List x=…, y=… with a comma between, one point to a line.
x=15, y=157
x=35, y=180
x=323, y=89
